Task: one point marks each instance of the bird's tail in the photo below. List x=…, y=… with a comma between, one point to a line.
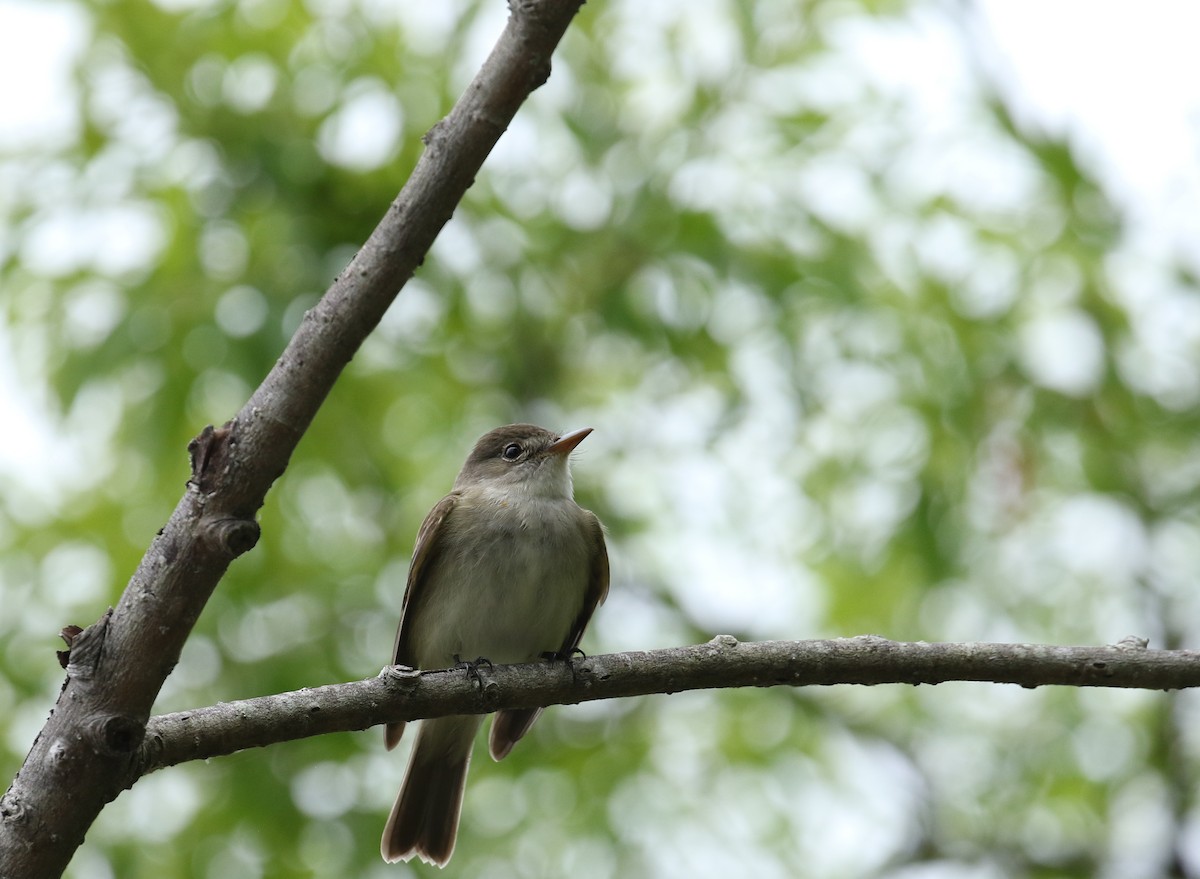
x=424, y=821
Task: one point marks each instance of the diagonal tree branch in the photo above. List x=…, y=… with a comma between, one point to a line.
x=403, y=694
x=87, y=752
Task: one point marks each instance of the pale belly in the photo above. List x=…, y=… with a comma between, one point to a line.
x=511, y=601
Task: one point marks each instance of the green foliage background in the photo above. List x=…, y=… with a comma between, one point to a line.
x=859, y=359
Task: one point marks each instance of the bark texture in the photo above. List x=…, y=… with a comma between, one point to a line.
x=402, y=694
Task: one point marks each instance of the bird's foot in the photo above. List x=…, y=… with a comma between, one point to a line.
x=567, y=656
x=564, y=655
x=471, y=666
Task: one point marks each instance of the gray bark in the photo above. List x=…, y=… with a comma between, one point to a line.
x=400, y=694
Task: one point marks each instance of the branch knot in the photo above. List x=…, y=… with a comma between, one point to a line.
x=231, y=535
x=115, y=734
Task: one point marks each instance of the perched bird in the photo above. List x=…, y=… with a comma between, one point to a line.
x=507, y=568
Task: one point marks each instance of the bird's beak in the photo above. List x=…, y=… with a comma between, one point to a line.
x=567, y=442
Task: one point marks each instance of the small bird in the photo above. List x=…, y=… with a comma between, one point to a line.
x=507, y=568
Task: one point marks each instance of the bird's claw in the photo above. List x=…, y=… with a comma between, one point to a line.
x=567, y=656
x=471, y=666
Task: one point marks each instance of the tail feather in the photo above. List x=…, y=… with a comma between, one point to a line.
x=424, y=820
x=507, y=729
x=392, y=734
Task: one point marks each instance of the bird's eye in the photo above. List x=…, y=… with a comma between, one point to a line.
x=511, y=452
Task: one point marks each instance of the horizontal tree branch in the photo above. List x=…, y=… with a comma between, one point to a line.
x=398, y=693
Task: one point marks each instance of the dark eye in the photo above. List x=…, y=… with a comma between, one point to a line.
x=511, y=452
